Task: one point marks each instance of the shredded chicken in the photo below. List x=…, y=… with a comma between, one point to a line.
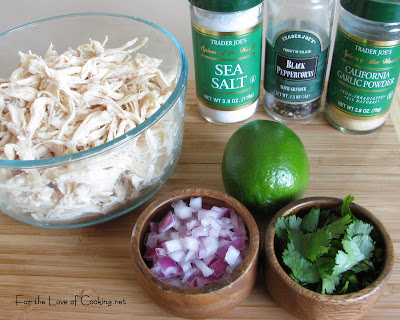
x=63, y=104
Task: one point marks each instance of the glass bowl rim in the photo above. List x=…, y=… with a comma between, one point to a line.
x=142, y=127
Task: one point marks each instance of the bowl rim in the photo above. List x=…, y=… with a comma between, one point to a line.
x=184, y=194
x=310, y=202
x=175, y=95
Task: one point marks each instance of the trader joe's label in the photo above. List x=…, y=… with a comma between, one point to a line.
x=363, y=76
x=295, y=66
x=227, y=67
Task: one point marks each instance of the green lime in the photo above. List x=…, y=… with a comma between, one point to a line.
x=265, y=166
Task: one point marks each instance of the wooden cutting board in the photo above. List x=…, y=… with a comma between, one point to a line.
x=43, y=271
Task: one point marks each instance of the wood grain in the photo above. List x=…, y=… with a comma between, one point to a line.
x=309, y=305
x=200, y=302
x=95, y=261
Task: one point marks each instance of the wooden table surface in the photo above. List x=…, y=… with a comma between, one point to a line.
x=54, y=266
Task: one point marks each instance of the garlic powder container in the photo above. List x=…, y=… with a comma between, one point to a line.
x=227, y=43
x=365, y=65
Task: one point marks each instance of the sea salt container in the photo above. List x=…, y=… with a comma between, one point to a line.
x=227, y=42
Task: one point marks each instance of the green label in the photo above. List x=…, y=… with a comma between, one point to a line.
x=227, y=67
x=295, y=66
x=363, y=76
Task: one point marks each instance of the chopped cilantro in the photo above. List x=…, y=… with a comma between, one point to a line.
x=303, y=271
x=346, y=205
x=329, y=251
x=310, y=220
x=338, y=227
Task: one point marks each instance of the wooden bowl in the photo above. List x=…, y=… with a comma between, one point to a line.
x=200, y=302
x=307, y=304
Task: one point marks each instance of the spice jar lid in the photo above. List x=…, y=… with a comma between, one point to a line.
x=375, y=10
x=225, y=5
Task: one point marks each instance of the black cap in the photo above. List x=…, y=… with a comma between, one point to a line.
x=375, y=10
x=225, y=5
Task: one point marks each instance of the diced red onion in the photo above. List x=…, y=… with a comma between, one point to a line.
x=174, y=234
x=172, y=245
x=166, y=223
x=190, y=243
x=151, y=240
x=160, y=252
x=168, y=266
x=221, y=211
x=177, y=256
x=215, y=228
x=189, y=273
x=150, y=253
x=181, y=210
x=202, y=252
x=156, y=269
x=197, y=244
x=186, y=266
x=201, y=231
x=209, y=260
x=175, y=281
x=206, y=271
x=231, y=255
x=190, y=224
x=239, y=260
x=196, y=203
x=205, y=214
x=219, y=267
x=211, y=245
x=190, y=256
x=154, y=227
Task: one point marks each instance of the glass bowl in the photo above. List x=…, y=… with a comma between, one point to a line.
x=109, y=179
